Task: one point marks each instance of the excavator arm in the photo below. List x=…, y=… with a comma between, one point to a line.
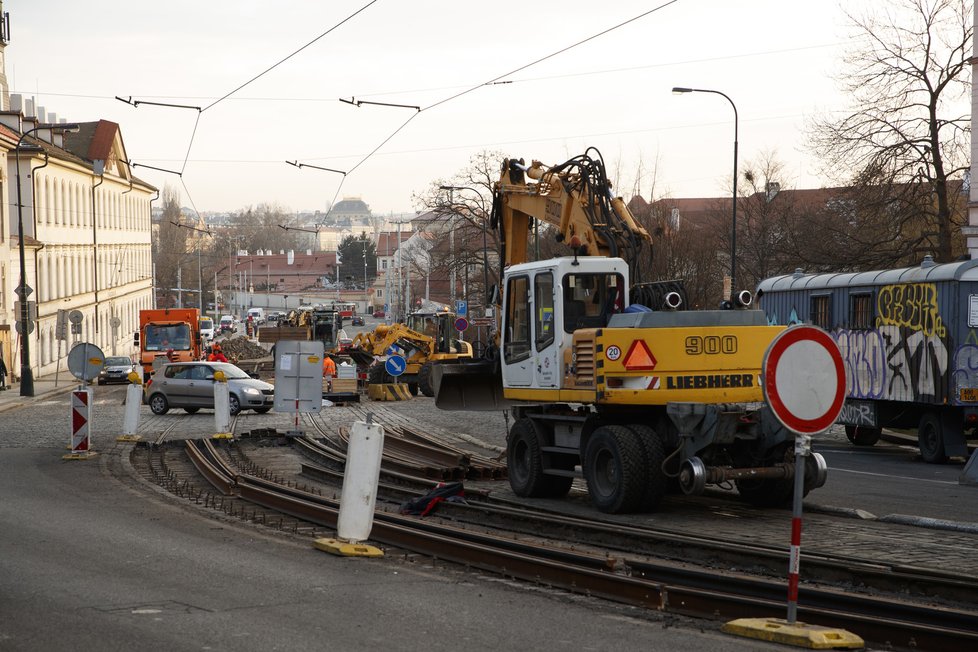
x=575, y=198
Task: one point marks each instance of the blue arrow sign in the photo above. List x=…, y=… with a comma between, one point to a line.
x=395, y=365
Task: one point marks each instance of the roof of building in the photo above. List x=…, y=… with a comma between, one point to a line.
x=350, y=205
x=387, y=241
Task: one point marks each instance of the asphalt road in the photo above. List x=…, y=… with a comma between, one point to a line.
x=86, y=563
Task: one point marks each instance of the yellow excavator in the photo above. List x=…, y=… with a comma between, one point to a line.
x=428, y=339
x=611, y=375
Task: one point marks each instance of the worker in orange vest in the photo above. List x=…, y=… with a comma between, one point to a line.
x=329, y=371
x=217, y=355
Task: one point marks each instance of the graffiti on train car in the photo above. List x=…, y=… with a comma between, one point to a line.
x=894, y=362
x=859, y=413
x=965, y=373
x=913, y=305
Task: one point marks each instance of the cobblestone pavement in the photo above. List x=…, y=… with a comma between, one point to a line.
x=44, y=422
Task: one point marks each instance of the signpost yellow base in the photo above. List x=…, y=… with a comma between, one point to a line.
x=87, y=455
x=347, y=549
x=222, y=435
x=129, y=438
x=776, y=630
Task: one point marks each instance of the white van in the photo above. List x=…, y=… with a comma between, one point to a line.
x=206, y=329
x=257, y=315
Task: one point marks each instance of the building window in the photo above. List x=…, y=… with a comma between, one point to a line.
x=861, y=311
x=820, y=314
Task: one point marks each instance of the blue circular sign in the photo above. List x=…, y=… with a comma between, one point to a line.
x=395, y=365
x=461, y=324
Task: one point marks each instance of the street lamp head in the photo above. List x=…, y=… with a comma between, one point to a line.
x=679, y=90
x=67, y=127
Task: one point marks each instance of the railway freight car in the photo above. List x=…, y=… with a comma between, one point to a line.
x=909, y=338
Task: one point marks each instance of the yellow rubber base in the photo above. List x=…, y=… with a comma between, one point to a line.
x=776, y=630
x=87, y=455
x=130, y=438
x=347, y=549
x=222, y=435
x=391, y=392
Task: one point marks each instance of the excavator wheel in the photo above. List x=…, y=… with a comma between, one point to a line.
x=524, y=464
x=376, y=374
x=424, y=381
x=614, y=470
x=656, y=480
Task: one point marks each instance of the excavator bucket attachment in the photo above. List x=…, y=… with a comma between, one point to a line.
x=361, y=357
x=475, y=386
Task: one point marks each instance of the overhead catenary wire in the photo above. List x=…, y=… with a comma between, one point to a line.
x=494, y=79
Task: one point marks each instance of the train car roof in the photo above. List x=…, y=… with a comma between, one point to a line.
x=927, y=271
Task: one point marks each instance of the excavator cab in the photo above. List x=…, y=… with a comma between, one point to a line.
x=544, y=304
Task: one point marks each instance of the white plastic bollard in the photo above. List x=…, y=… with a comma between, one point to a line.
x=222, y=407
x=359, y=495
x=134, y=398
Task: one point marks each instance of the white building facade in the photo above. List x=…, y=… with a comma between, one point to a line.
x=87, y=236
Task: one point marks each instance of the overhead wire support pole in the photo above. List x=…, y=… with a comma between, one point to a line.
x=314, y=167
x=152, y=167
x=359, y=103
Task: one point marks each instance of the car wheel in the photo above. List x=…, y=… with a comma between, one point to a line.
x=234, y=404
x=192, y=410
x=101, y=381
x=158, y=404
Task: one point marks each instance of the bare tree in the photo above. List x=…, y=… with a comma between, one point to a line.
x=266, y=226
x=462, y=203
x=909, y=131
x=169, y=245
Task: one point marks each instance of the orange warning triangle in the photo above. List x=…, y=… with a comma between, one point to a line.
x=639, y=357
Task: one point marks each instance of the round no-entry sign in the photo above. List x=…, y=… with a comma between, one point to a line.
x=804, y=379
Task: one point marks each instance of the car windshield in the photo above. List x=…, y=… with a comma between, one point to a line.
x=206, y=323
x=118, y=361
x=230, y=370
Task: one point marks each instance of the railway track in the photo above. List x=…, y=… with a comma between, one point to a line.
x=626, y=580
x=286, y=493
x=325, y=465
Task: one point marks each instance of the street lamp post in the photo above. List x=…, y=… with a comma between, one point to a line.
x=366, y=297
x=26, y=375
x=733, y=233
x=485, y=247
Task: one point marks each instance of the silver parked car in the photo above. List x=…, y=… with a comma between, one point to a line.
x=190, y=385
x=115, y=370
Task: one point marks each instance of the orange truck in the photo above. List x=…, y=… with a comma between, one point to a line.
x=172, y=335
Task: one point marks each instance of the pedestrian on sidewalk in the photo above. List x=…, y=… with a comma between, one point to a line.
x=3, y=374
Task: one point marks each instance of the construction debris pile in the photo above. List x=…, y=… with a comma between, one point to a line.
x=241, y=348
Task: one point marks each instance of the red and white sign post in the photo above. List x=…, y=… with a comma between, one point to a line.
x=805, y=387
x=81, y=417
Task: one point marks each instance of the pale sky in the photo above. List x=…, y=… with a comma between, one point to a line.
x=773, y=58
